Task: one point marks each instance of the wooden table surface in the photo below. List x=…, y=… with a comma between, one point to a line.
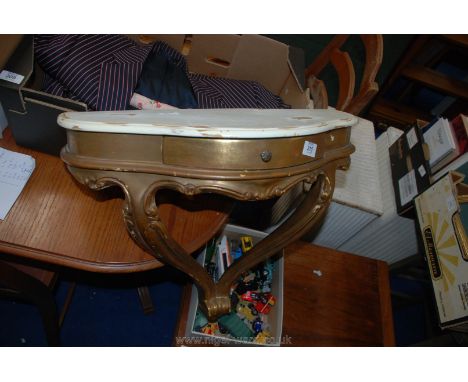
x=348, y=305
x=57, y=220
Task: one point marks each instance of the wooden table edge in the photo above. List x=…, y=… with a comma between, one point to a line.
x=61, y=260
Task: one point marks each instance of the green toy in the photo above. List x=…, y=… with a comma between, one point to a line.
x=235, y=326
x=200, y=321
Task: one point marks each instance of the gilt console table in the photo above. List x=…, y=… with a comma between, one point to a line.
x=245, y=154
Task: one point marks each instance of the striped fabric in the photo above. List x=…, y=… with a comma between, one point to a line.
x=100, y=70
x=103, y=71
x=224, y=93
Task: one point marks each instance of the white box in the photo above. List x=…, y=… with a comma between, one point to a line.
x=275, y=317
x=390, y=237
x=357, y=196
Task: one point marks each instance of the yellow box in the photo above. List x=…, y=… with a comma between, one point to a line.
x=445, y=243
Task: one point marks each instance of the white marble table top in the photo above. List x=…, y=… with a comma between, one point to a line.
x=210, y=123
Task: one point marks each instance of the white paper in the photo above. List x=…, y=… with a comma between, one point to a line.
x=408, y=187
x=411, y=138
x=15, y=170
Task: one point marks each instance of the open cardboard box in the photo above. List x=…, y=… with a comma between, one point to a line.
x=275, y=317
x=32, y=114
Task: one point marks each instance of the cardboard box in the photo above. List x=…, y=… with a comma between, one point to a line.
x=410, y=169
x=446, y=248
x=32, y=114
x=275, y=317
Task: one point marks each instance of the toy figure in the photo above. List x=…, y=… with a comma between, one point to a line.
x=257, y=325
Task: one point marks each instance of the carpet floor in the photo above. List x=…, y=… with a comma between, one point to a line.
x=105, y=311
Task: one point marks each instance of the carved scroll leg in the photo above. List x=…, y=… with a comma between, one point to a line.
x=144, y=225
x=150, y=231
x=306, y=216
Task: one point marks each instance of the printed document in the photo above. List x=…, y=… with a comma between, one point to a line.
x=15, y=170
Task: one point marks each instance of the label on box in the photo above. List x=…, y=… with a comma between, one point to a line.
x=408, y=187
x=411, y=138
x=11, y=77
x=422, y=171
x=309, y=149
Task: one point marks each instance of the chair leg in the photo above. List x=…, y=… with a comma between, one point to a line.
x=145, y=299
x=66, y=304
x=33, y=290
x=48, y=310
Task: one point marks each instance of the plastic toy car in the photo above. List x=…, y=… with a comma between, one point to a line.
x=265, y=303
x=242, y=287
x=264, y=274
x=250, y=296
x=262, y=301
x=247, y=309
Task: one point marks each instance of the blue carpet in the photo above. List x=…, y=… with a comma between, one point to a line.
x=105, y=311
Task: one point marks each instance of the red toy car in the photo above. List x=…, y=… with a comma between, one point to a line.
x=262, y=301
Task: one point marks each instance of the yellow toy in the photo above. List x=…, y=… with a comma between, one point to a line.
x=246, y=243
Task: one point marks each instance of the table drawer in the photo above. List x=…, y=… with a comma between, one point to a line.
x=253, y=154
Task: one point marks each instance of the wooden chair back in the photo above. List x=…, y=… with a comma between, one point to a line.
x=341, y=61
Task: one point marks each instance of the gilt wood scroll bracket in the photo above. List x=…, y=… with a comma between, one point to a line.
x=237, y=167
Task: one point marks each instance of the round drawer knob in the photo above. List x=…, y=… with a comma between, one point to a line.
x=265, y=155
